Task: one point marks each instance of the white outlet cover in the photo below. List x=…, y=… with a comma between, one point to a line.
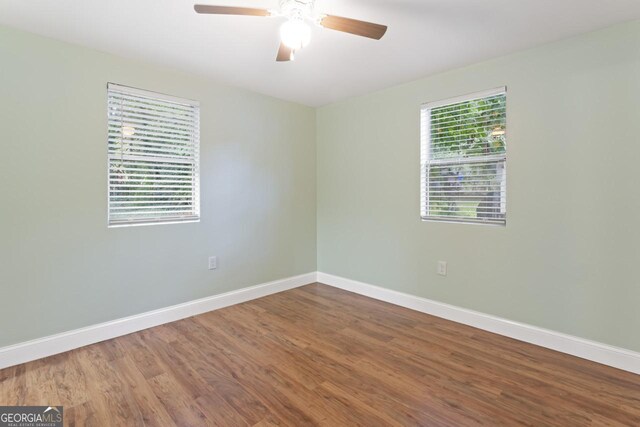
x=442, y=268
x=213, y=262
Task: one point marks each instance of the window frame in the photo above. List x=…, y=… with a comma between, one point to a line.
x=195, y=173
x=426, y=162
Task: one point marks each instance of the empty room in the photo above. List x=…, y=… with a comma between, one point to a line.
x=319, y=213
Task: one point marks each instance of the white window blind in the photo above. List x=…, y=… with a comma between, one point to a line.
x=463, y=159
x=153, y=142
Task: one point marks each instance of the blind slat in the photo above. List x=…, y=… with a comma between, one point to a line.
x=155, y=184
x=165, y=193
x=142, y=139
x=116, y=120
x=141, y=149
x=156, y=160
x=116, y=130
x=150, y=175
x=158, y=208
x=119, y=165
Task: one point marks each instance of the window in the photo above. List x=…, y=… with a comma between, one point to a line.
x=464, y=159
x=153, y=144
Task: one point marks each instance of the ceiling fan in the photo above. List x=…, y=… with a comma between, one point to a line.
x=295, y=33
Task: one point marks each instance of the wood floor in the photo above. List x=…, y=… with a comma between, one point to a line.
x=317, y=355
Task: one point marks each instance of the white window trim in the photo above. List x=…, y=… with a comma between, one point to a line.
x=196, y=185
x=425, y=132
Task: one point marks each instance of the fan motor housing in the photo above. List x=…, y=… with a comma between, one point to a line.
x=299, y=9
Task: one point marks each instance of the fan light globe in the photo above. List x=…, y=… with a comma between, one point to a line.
x=295, y=34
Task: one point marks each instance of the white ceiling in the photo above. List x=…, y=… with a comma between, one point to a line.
x=424, y=37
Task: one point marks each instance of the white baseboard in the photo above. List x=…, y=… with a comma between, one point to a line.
x=54, y=344
x=591, y=350
x=602, y=353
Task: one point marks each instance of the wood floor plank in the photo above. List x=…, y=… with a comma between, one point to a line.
x=220, y=367
x=318, y=355
x=82, y=415
x=179, y=404
x=151, y=411
x=105, y=390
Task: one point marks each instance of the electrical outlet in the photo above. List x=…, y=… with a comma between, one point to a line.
x=213, y=262
x=442, y=268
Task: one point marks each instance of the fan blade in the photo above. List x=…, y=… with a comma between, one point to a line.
x=230, y=10
x=284, y=53
x=353, y=26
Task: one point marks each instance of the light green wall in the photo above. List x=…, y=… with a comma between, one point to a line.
x=568, y=258
x=61, y=268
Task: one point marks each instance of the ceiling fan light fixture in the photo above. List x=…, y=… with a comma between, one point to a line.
x=295, y=34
